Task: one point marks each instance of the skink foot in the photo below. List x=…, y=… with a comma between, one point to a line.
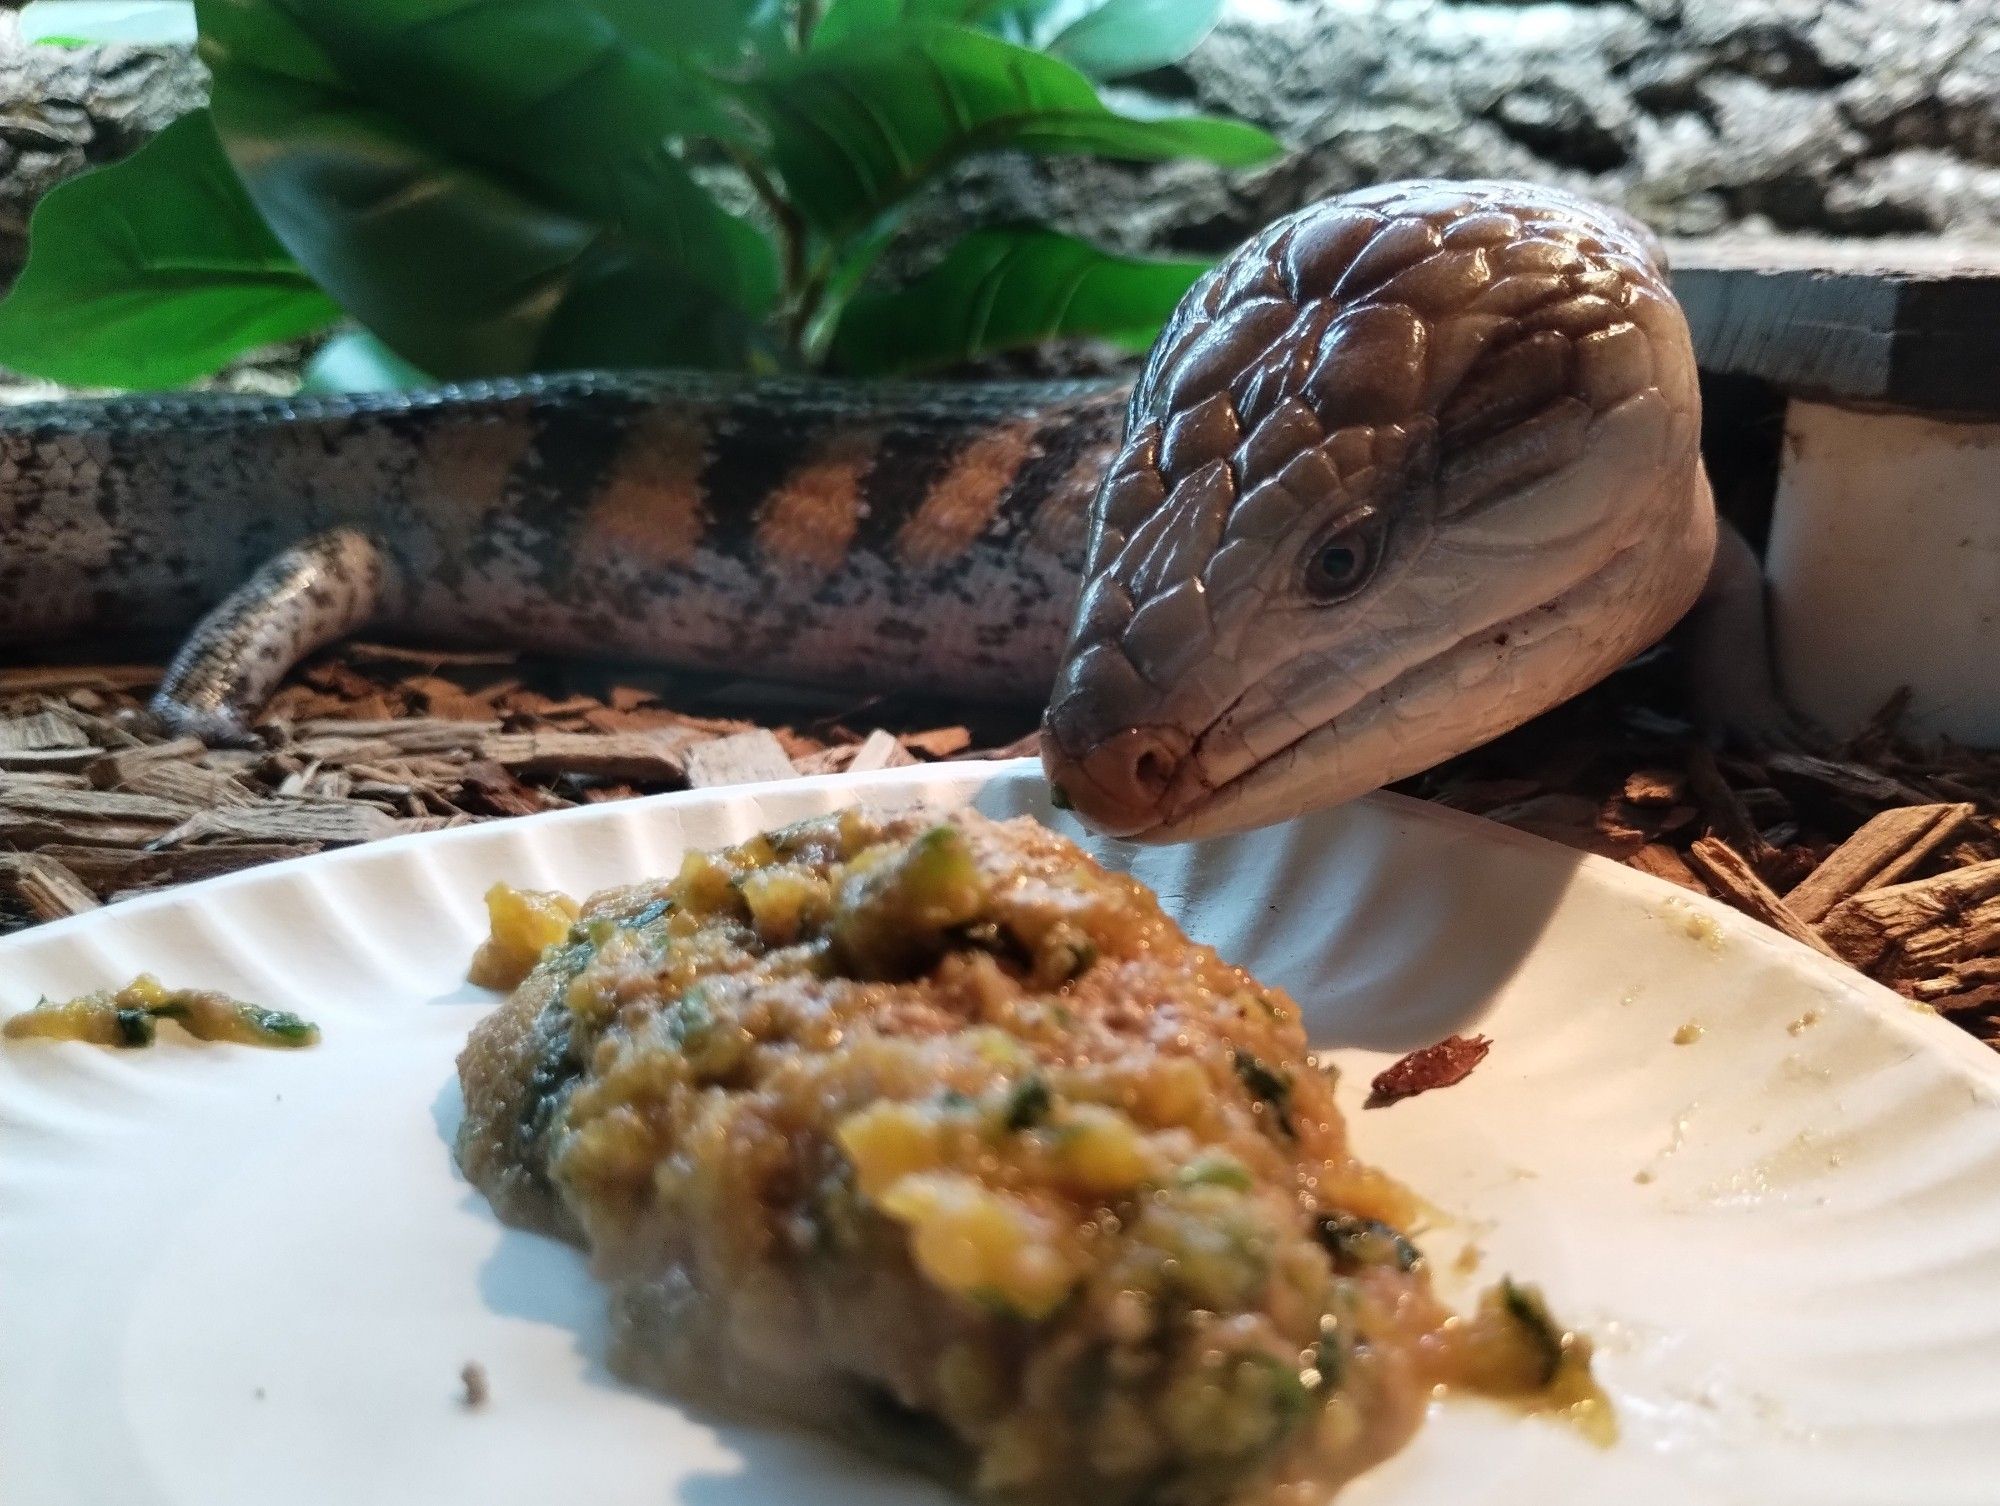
x=315, y=592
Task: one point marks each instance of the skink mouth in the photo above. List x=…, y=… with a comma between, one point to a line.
x=1149, y=784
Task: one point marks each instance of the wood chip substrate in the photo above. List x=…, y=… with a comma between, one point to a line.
x=1879, y=852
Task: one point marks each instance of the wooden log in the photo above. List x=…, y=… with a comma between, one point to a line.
x=1886, y=850
x=1732, y=878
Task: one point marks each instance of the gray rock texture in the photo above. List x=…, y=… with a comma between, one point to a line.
x=1843, y=117
x=63, y=109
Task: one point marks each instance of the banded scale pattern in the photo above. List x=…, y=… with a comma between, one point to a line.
x=925, y=535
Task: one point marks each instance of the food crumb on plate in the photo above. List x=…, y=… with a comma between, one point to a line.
x=1688, y=1034
x=473, y=1377
x=1804, y=1022
x=1448, y=1061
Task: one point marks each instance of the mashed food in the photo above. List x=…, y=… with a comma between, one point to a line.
x=940, y=1124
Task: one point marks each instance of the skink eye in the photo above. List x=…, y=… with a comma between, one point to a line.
x=1344, y=561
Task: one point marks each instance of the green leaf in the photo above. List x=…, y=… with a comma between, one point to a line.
x=355, y=361
x=1004, y=289
x=488, y=185
x=152, y=272
x=845, y=19
x=1112, y=38
x=857, y=125
x=1104, y=38
x=718, y=31
x=156, y=23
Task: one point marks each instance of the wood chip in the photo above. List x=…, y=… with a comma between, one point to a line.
x=1886, y=850
x=1725, y=870
x=1723, y=808
x=41, y=732
x=34, y=760
x=90, y=804
x=1921, y=928
x=745, y=758
x=111, y=870
x=332, y=822
x=108, y=678
x=660, y=757
x=1852, y=784
x=44, y=887
x=190, y=782
x=1662, y=861
x=1655, y=787
x=827, y=760
x=1449, y=1061
x=939, y=742
x=880, y=750
x=115, y=769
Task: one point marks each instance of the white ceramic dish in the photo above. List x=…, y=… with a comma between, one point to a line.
x=232, y=1277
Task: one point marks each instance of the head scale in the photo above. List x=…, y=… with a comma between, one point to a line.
x=1410, y=467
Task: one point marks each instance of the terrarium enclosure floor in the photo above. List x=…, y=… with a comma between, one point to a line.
x=1879, y=851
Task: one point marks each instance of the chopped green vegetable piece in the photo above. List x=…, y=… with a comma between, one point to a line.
x=1215, y=1170
x=1525, y=1306
x=1365, y=1242
x=1027, y=1104
x=134, y=1026
x=1274, y=1088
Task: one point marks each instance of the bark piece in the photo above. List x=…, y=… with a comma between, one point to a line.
x=332, y=822
x=1853, y=785
x=880, y=750
x=1662, y=861
x=1655, y=787
x=636, y=757
x=1883, y=852
x=44, y=887
x=939, y=742
x=1724, y=809
x=745, y=758
x=113, y=870
x=1725, y=871
x=1922, y=928
x=42, y=731
x=116, y=769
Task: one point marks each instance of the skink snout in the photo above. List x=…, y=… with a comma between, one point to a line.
x=1117, y=782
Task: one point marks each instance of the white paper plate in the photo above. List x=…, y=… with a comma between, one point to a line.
x=231, y=1277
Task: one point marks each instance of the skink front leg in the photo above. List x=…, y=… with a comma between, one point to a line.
x=315, y=592
x=1732, y=673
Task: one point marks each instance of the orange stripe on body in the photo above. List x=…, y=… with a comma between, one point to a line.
x=652, y=512
x=812, y=517
x=961, y=503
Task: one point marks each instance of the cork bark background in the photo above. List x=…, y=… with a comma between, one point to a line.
x=1842, y=117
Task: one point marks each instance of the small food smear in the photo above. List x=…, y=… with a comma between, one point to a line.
x=1688, y=1034
x=473, y=1379
x=524, y=923
x=1449, y=1061
x=1513, y=1349
x=131, y=1015
x=1803, y=1023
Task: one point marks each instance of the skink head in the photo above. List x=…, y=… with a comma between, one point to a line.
x=1409, y=468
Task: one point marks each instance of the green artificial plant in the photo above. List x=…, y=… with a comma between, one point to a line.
x=475, y=188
